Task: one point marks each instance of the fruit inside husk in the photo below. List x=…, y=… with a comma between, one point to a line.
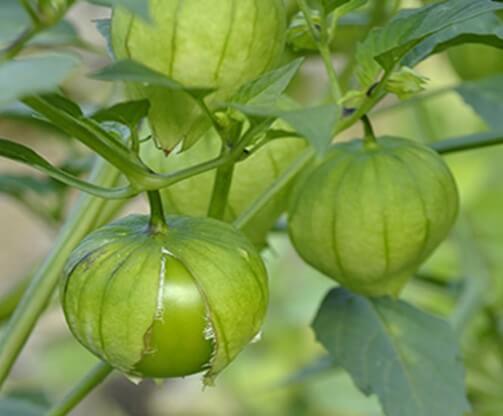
x=165, y=304
x=251, y=178
x=369, y=215
x=180, y=328
x=220, y=46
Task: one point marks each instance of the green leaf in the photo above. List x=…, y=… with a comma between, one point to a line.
x=408, y=358
x=315, y=124
x=23, y=154
x=132, y=71
x=486, y=29
x=267, y=89
x=385, y=47
x=139, y=7
x=129, y=113
x=485, y=96
x=65, y=104
x=33, y=75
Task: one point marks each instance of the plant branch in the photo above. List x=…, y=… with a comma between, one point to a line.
x=469, y=142
x=12, y=50
x=45, y=280
x=221, y=188
x=95, y=377
x=321, y=35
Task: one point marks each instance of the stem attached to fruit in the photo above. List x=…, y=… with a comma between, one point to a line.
x=77, y=394
x=157, y=220
x=369, y=137
x=45, y=280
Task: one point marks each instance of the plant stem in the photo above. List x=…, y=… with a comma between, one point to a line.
x=326, y=55
x=469, y=142
x=225, y=172
x=45, y=280
x=322, y=39
x=221, y=189
x=30, y=11
x=11, y=51
x=95, y=377
x=157, y=218
x=276, y=187
x=369, y=135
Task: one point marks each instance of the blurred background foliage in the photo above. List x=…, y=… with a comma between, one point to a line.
x=286, y=373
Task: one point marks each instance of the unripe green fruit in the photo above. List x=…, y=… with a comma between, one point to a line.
x=369, y=215
x=165, y=303
x=251, y=178
x=219, y=44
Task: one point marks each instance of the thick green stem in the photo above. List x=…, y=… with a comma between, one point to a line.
x=157, y=218
x=95, y=377
x=221, y=189
x=45, y=280
x=225, y=171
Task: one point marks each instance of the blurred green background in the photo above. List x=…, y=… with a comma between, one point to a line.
x=285, y=373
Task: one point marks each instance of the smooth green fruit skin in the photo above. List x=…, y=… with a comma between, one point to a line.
x=368, y=216
x=165, y=304
x=219, y=44
x=251, y=178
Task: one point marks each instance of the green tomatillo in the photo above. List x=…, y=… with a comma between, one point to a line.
x=218, y=44
x=251, y=178
x=371, y=213
x=165, y=303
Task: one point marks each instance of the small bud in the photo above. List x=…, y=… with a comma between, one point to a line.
x=406, y=83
